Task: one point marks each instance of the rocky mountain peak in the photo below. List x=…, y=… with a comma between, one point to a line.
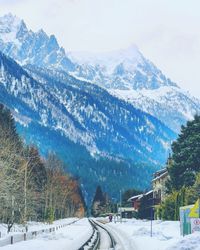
x=28, y=47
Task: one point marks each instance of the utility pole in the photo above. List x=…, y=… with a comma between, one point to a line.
x=12, y=202
x=152, y=210
x=199, y=200
x=25, y=192
x=120, y=205
x=120, y=198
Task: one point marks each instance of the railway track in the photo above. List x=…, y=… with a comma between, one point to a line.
x=101, y=238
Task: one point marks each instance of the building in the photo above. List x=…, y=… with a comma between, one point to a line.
x=126, y=212
x=159, y=185
x=143, y=203
x=148, y=203
x=135, y=201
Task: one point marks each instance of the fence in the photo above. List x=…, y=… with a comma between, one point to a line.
x=30, y=235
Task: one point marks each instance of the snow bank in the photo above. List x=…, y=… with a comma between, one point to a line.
x=70, y=237
x=166, y=235
x=189, y=242
x=33, y=226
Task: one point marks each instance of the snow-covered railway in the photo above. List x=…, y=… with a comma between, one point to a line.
x=105, y=237
x=110, y=238
x=107, y=241
x=101, y=238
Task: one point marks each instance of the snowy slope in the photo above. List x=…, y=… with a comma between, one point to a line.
x=128, y=75
x=123, y=69
x=79, y=120
x=171, y=105
x=85, y=113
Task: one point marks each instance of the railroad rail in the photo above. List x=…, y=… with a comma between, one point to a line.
x=94, y=242
x=112, y=240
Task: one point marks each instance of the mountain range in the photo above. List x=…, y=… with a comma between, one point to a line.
x=128, y=75
x=125, y=73
x=107, y=115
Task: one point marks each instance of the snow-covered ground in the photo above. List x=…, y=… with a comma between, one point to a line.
x=33, y=226
x=69, y=237
x=133, y=234
x=166, y=235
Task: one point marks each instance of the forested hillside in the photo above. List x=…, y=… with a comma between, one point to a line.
x=98, y=136
x=32, y=187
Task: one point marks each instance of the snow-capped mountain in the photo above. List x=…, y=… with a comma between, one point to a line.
x=128, y=75
x=171, y=105
x=27, y=47
x=85, y=113
x=124, y=69
x=58, y=112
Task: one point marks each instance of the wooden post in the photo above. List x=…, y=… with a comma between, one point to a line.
x=11, y=240
x=25, y=191
x=24, y=236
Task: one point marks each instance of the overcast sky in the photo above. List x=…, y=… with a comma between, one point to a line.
x=166, y=31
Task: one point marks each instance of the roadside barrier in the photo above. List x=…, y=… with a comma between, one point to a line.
x=12, y=239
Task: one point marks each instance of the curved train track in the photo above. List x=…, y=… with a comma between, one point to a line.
x=97, y=239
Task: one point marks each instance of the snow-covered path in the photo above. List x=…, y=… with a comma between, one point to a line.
x=68, y=238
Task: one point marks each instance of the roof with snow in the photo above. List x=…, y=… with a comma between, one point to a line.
x=162, y=175
x=135, y=197
x=139, y=196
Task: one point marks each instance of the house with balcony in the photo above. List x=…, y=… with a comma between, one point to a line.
x=159, y=185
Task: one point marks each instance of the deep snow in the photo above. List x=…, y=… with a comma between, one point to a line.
x=166, y=235
x=70, y=237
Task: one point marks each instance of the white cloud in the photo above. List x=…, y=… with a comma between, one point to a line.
x=166, y=31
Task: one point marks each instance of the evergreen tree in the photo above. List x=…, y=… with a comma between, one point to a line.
x=8, y=128
x=186, y=156
x=100, y=202
x=99, y=196
x=193, y=193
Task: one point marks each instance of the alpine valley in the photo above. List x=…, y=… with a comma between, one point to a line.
x=108, y=116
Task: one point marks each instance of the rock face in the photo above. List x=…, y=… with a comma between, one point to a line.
x=27, y=47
